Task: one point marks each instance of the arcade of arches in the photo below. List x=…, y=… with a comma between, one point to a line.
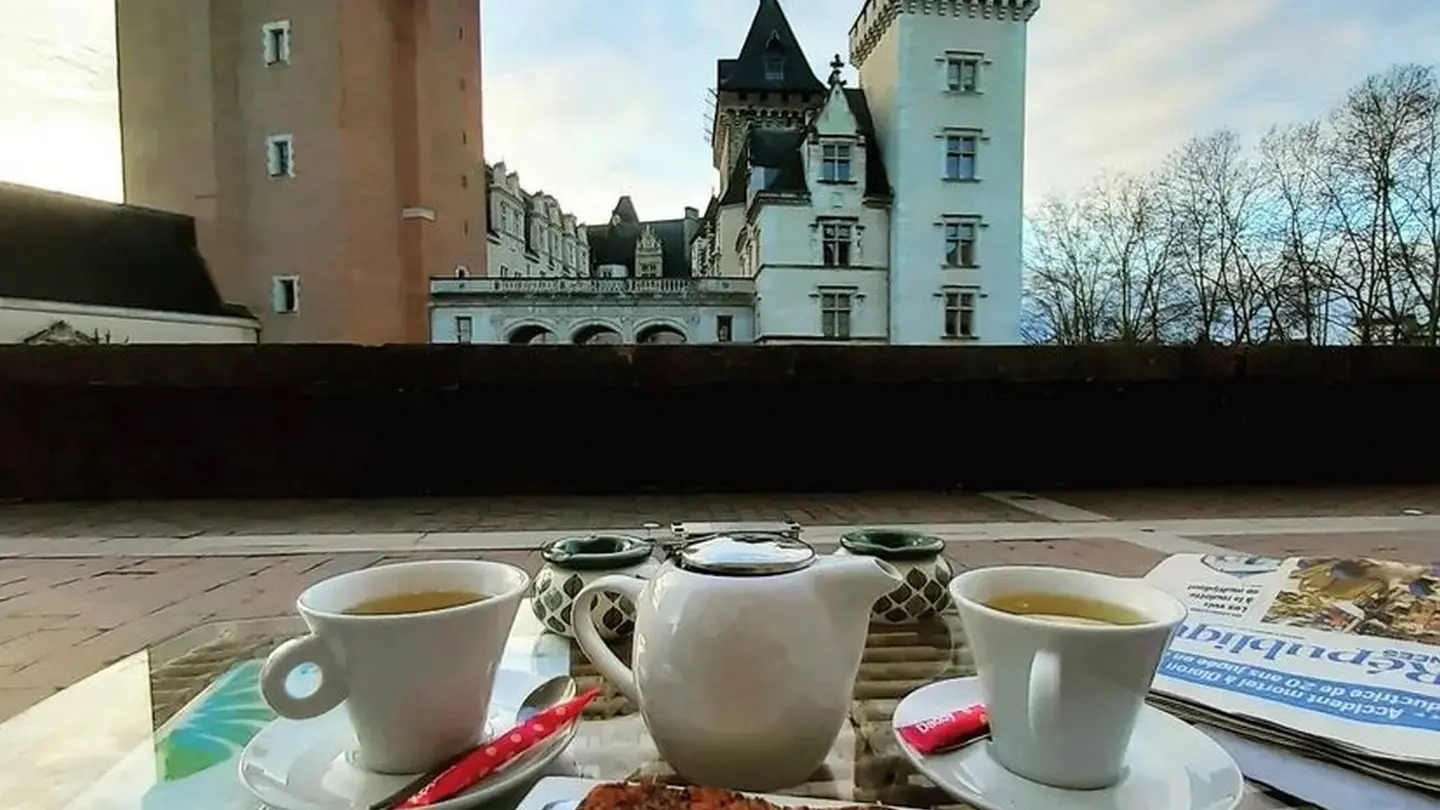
x=597, y=335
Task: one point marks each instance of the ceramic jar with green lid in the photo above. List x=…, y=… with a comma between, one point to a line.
x=919, y=558
x=571, y=563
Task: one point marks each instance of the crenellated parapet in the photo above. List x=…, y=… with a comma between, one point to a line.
x=876, y=16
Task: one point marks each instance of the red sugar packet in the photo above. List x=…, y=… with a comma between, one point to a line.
x=936, y=735
x=497, y=753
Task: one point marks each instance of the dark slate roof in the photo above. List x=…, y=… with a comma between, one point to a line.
x=615, y=244
x=781, y=149
x=877, y=182
x=625, y=210
x=770, y=34
x=58, y=247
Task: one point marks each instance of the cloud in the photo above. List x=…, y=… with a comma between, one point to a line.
x=60, y=127
x=590, y=100
x=1111, y=88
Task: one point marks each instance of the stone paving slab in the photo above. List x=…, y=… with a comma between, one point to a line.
x=519, y=513
x=1419, y=547
x=1164, y=535
x=1251, y=502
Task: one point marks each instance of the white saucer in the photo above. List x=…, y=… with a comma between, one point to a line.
x=1170, y=765
x=307, y=764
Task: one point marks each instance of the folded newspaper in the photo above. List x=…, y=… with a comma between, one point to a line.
x=1336, y=658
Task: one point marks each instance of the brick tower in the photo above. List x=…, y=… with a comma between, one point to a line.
x=330, y=151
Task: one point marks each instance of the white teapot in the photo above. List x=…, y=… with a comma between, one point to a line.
x=746, y=649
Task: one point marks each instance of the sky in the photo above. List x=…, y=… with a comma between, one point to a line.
x=590, y=100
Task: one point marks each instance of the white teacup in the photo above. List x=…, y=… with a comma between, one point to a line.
x=416, y=684
x=1063, y=693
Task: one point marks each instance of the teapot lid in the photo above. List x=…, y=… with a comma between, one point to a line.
x=746, y=554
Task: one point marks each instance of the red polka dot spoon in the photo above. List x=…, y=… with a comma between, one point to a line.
x=548, y=708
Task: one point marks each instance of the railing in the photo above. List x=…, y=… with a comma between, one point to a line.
x=591, y=286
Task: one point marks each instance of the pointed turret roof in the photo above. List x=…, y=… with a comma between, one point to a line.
x=771, y=58
x=625, y=211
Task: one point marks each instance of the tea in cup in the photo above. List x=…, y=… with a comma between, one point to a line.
x=1065, y=659
x=411, y=650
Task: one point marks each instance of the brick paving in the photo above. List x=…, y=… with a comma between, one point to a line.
x=64, y=618
x=61, y=620
x=1159, y=504
x=1412, y=547
x=527, y=513
x=1105, y=555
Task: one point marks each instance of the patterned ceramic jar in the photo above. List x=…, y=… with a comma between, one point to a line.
x=920, y=560
x=571, y=563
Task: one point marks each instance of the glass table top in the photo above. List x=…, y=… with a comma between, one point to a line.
x=163, y=728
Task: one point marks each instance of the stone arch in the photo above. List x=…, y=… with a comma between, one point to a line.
x=597, y=332
x=532, y=333
x=661, y=331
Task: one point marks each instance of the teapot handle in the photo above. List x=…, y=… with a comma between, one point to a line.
x=583, y=620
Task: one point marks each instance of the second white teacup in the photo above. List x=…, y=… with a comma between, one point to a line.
x=410, y=649
x=1065, y=659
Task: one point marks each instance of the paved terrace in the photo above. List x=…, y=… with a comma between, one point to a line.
x=82, y=585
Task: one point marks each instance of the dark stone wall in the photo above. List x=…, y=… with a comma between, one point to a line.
x=329, y=420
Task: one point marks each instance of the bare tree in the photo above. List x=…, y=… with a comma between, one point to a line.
x=1143, y=302
x=1099, y=266
x=1300, y=230
x=1327, y=231
x=1065, y=275
x=1416, y=207
x=1375, y=136
x=1212, y=195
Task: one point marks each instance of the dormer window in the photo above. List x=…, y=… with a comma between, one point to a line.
x=761, y=177
x=774, y=67
x=835, y=163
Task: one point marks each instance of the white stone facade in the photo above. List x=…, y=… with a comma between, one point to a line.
x=24, y=320
x=945, y=81
x=591, y=310
x=530, y=235
x=887, y=213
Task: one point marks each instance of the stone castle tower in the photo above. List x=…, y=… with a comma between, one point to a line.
x=330, y=151
x=945, y=80
x=769, y=85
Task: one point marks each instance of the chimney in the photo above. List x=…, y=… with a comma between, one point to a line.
x=692, y=224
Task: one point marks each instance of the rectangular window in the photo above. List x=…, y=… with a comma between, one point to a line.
x=960, y=156
x=962, y=74
x=280, y=156
x=724, y=328
x=275, y=40
x=836, y=242
x=835, y=309
x=960, y=244
x=285, y=290
x=464, y=329
x=835, y=163
x=774, y=67
x=960, y=314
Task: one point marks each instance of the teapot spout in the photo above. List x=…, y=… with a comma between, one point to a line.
x=847, y=582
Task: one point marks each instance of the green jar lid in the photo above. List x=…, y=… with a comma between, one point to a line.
x=596, y=552
x=892, y=544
